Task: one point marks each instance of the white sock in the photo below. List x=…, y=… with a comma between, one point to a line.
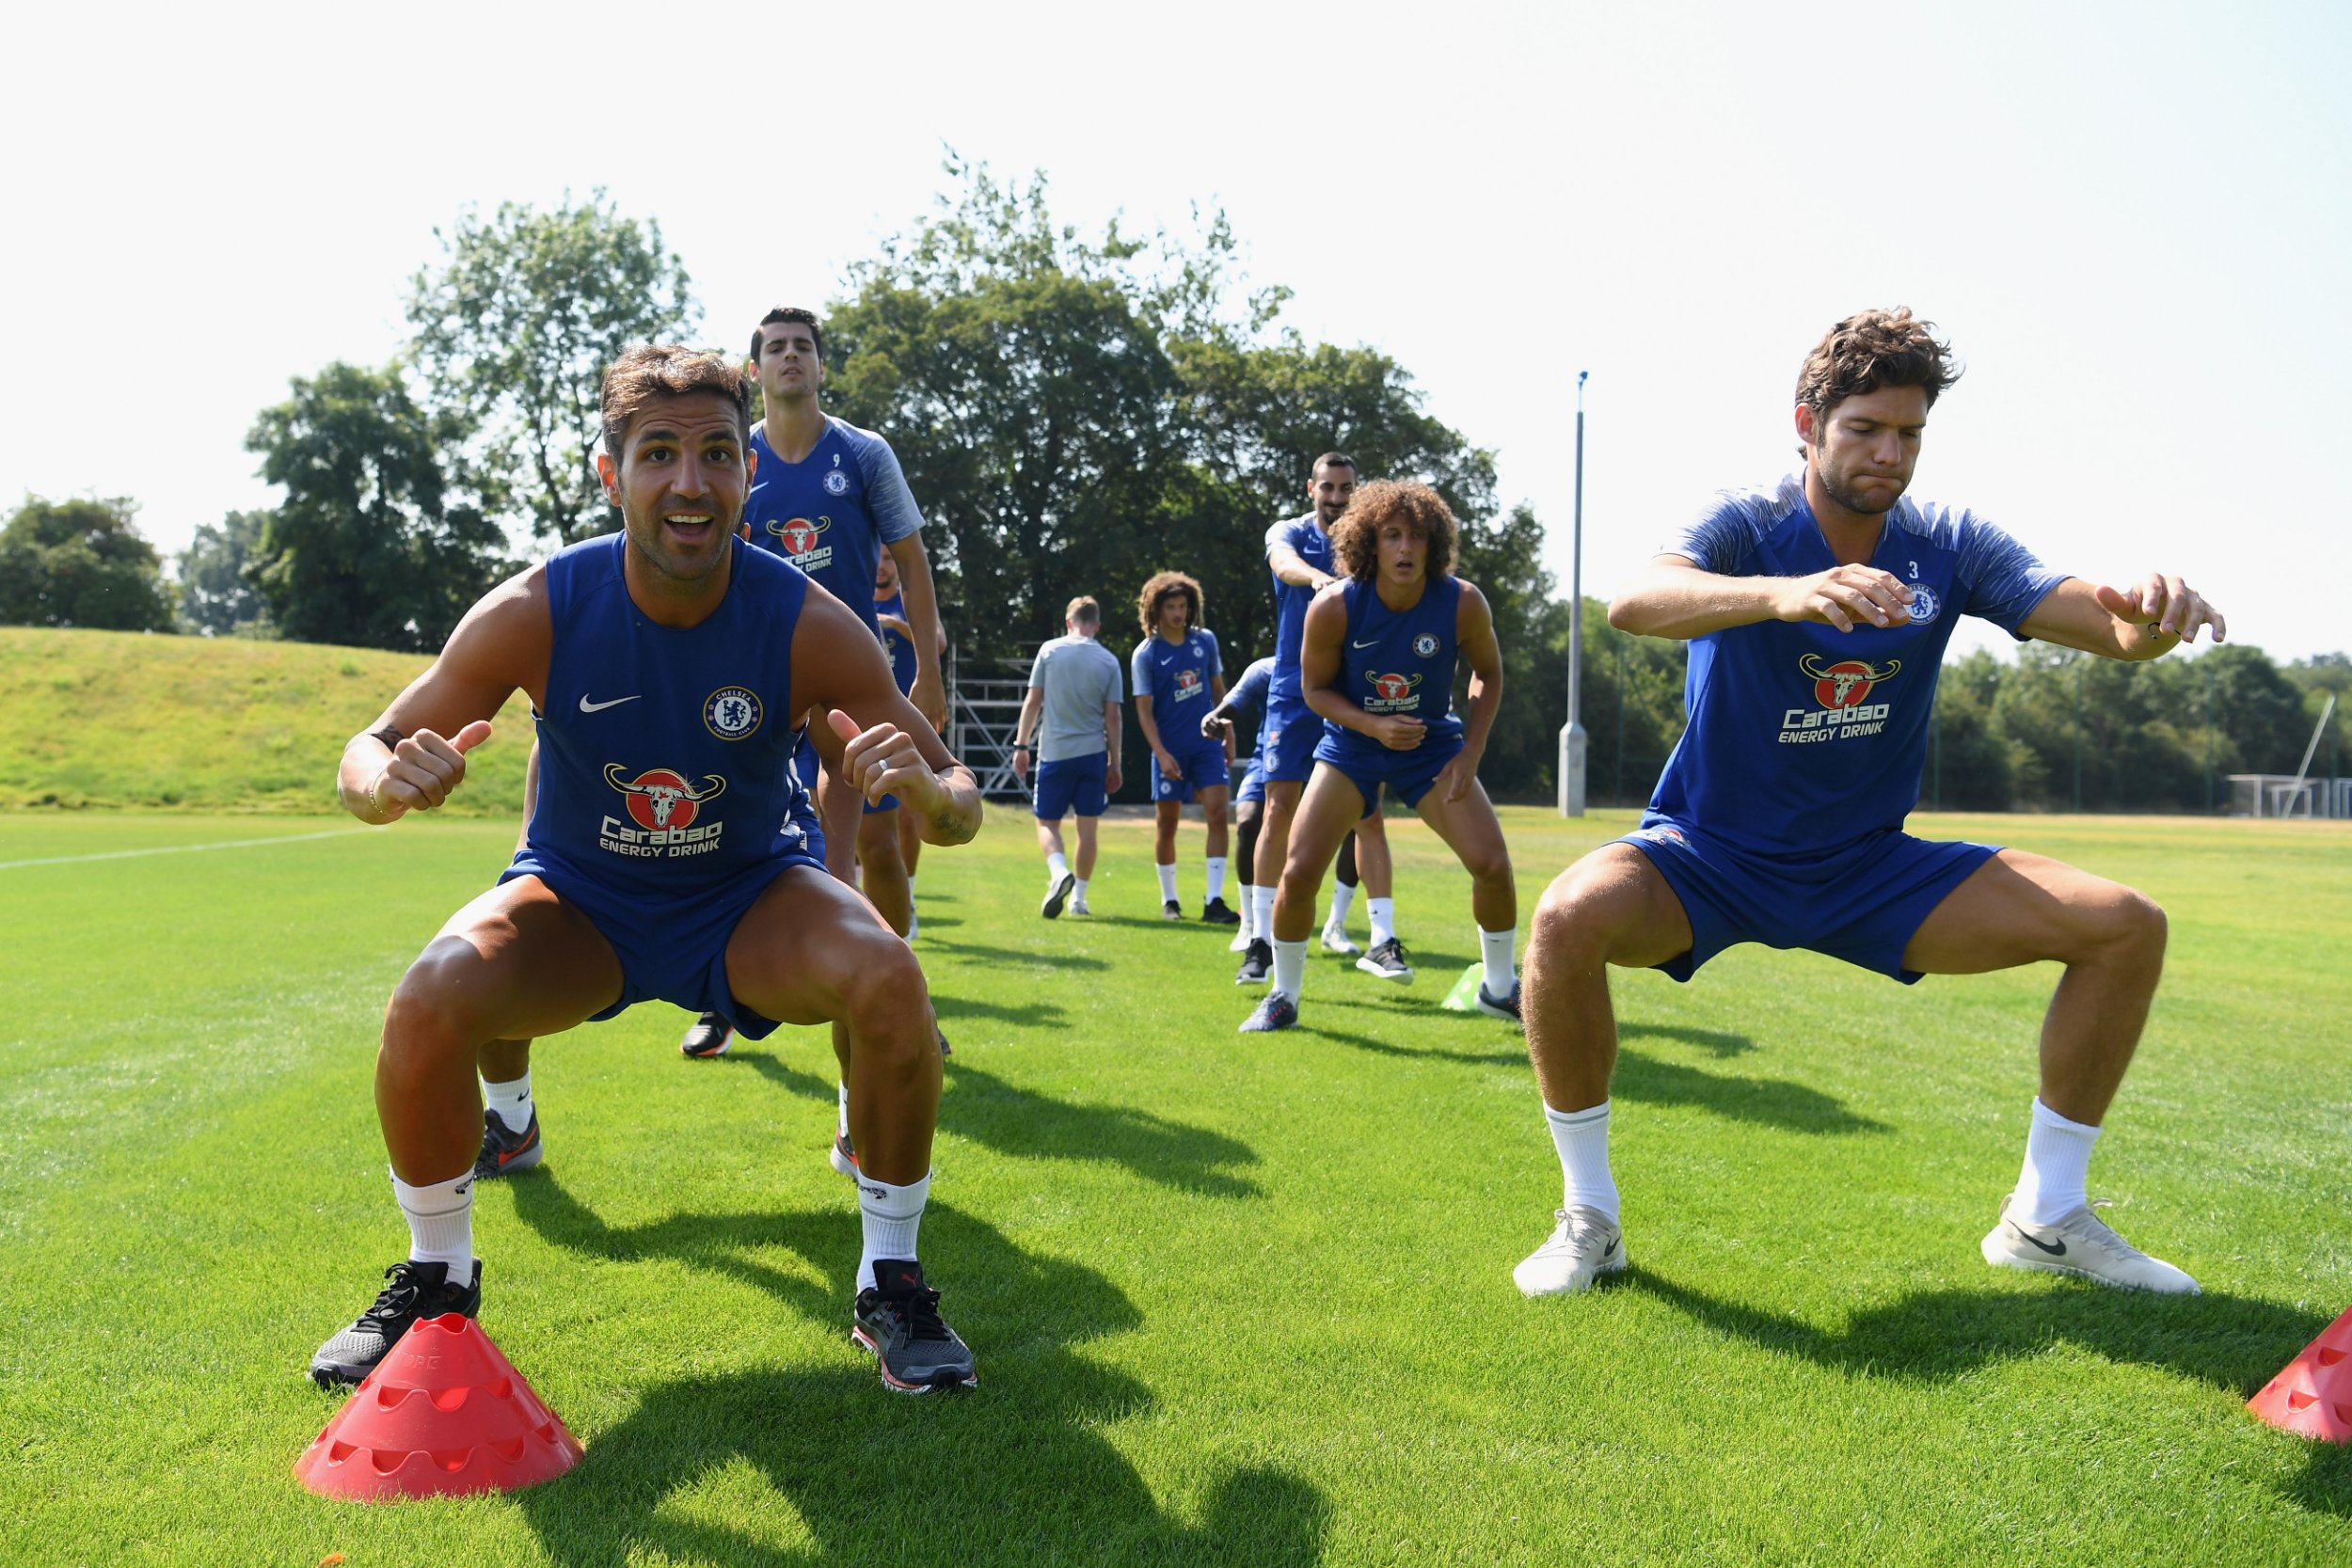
x=1216, y=879
x=509, y=1102
x=1167, y=883
x=1342, y=895
x=1290, y=966
x=440, y=1223
x=892, y=1216
x=1581, y=1138
x=1263, y=896
x=841, y=1123
x=1056, y=867
x=2057, y=1154
x=1382, y=912
x=1495, y=947
x=1248, y=910
x=910, y=884
x=1078, y=894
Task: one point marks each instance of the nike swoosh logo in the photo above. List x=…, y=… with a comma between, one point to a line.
x=587, y=706
x=2057, y=1251
x=755, y=489
x=1364, y=644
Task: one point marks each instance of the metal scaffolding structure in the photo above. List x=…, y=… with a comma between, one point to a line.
x=984, y=698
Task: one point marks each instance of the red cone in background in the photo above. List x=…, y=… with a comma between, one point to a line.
x=442, y=1415
x=2312, y=1394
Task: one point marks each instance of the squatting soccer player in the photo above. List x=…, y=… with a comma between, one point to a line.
x=1376, y=662
x=672, y=850
x=1179, y=676
x=1817, y=611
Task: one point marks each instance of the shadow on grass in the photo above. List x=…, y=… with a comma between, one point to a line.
x=1016, y=1471
x=978, y=1104
x=1011, y=955
x=1715, y=1042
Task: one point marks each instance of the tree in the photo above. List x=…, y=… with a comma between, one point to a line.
x=514, y=332
x=81, y=563
x=216, y=597
x=363, y=549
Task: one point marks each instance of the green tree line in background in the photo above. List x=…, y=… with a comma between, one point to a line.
x=1073, y=413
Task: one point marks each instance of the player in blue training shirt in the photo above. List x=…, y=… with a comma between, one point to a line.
x=1179, y=676
x=671, y=850
x=897, y=639
x=1376, y=661
x=1818, y=613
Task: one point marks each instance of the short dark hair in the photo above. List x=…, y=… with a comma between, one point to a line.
x=1083, y=610
x=1333, y=460
x=1870, y=350
x=788, y=313
x=1164, y=585
x=652, y=371
x=1356, y=537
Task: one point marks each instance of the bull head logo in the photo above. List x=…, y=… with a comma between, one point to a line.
x=799, y=533
x=659, y=798
x=1395, y=687
x=1848, y=682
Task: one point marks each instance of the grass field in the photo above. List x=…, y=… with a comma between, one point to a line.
x=1234, y=1300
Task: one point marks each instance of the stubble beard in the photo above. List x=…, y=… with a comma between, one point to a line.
x=1851, y=500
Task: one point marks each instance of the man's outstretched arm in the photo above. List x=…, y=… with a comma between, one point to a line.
x=1673, y=596
x=2146, y=620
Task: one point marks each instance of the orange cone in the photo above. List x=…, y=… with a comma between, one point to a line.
x=2312, y=1394
x=442, y=1415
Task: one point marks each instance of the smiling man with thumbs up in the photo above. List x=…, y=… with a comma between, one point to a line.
x=672, y=852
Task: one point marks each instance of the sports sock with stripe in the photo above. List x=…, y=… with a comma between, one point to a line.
x=441, y=1222
x=1581, y=1138
x=510, y=1101
x=891, y=1216
x=841, y=1122
x=1495, y=948
x=2058, y=1159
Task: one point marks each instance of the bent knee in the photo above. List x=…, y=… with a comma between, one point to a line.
x=1587, y=915
x=431, y=1010
x=2130, y=921
x=885, y=997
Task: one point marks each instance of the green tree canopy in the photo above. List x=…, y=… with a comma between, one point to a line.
x=216, y=597
x=363, y=549
x=512, y=333
x=81, y=563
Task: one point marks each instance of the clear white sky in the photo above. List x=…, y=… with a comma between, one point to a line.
x=2131, y=219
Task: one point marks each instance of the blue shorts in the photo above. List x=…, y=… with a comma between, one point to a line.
x=673, y=949
x=1286, y=743
x=1252, y=785
x=1861, y=904
x=1408, y=774
x=805, y=762
x=1203, y=768
x=1073, y=782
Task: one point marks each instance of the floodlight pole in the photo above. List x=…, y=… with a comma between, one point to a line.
x=1572, y=735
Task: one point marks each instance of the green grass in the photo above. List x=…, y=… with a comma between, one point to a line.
x=1234, y=1300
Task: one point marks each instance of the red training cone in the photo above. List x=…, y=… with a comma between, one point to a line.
x=444, y=1414
x=2312, y=1394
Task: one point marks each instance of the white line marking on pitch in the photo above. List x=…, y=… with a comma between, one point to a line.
x=184, y=848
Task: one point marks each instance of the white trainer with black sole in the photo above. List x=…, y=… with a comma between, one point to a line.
x=2082, y=1244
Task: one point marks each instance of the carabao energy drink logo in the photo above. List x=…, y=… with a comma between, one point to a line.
x=1392, y=693
x=662, y=806
x=1843, y=689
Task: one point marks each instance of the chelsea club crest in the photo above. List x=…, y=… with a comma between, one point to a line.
x=1924, y=605
x=836, y=483
x=1425, y=647
x=731, y=712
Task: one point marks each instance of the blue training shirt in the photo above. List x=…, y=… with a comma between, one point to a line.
x=1802, y=738
x=1397, y=662
x=664, y=753
x=895, y=648
x=1176, y=677
x=831, y=513
x=1313, y=546
x=1249, y=695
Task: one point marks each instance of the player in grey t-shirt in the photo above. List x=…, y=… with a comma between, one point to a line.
x=1075, y=688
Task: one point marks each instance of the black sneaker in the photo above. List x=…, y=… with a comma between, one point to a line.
x=1257, y=965
x=898, y=1319
x=946, y=1050
x=1171, y=910
x=503, y=1154
x=1386, y=961
x=1500, y=1007
x=710, y=1036
x=1058, y=896
x=1214, y=912
x=416, y=1291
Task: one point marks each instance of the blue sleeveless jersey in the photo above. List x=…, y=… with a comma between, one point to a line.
x=1290, y=601
x=831, y=513
x=1401, y=663
x=895, y=648
x=664, y=755
x=1803, y=738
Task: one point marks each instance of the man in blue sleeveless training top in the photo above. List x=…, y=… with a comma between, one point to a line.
x=670, y=850
x=1817, y=611
x=1179, y=676
x=1376, y=662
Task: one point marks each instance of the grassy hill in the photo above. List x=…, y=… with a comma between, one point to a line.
x=107, y=719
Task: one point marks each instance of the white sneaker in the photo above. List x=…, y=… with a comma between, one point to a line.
x=1242, y=939
x=1585, y=1246
x=1079, y=906
x=1335, y=941
x=2081, y=1244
